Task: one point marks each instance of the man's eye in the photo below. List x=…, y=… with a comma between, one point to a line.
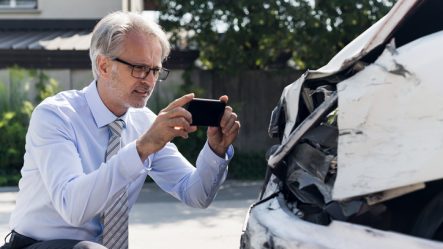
x=140, y=68
x=155, y=70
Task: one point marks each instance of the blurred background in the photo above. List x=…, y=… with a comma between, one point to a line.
x=247, y=49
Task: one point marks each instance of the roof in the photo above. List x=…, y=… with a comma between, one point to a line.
x=45, y=40
x=58, y=44
x=45, y=43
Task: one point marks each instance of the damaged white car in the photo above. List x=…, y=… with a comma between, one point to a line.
x=360, y=159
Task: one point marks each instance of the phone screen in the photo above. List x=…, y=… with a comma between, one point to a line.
x=206, y=112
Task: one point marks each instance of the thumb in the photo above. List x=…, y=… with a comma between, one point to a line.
x=224, y=99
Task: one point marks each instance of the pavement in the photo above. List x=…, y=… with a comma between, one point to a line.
x=158, y=221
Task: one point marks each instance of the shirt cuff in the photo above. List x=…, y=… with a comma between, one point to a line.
x=216, y=167
x=230, y=153
x=216, y=159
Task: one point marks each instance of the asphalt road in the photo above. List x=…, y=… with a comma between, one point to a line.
x=158, y=221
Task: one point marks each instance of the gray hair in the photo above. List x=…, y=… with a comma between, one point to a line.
x=109, y=33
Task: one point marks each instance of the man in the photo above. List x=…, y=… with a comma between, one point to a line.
x=88, y=152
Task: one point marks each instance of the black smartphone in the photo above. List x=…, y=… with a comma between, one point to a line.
x=206, y=112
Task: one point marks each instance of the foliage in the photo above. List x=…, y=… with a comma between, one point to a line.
x=14, y=116
x=247, y=166
x=15, y=111
x=250, y=34
x=46, y=86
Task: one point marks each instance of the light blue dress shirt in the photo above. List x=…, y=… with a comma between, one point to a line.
x=66, y=184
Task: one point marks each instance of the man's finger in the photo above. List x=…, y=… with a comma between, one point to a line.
x=224, y=99
x=179, y=132
x=179, y=112
x=235, y=128
x=226, y=116
x=180, y=101
x=229, y=122
x=179, y=123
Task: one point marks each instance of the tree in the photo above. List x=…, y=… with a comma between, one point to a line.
x=250, y=34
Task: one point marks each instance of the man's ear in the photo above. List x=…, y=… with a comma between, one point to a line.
x=104, y=66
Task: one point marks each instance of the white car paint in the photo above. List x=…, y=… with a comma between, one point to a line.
x=390, y=119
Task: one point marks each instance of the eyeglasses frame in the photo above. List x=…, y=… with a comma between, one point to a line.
x=149, y=69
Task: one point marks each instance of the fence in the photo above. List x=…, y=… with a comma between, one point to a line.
x=253, y=94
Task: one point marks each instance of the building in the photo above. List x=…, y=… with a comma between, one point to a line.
x=54, y=36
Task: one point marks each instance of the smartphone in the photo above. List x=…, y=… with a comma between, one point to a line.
x=206, y=112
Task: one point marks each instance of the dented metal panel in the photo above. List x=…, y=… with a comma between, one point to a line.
x=290, y=98
x=295, y=136
x=390, y=121
x=273, y=225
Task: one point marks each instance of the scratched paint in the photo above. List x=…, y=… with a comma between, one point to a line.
x=390, y=121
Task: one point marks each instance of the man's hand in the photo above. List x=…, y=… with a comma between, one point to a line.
x=173, y=121
x=219, y=138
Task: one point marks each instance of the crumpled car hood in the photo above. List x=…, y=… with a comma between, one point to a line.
x=358, y=165
x=390, y=118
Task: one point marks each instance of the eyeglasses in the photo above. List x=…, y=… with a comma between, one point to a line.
x=141, y=71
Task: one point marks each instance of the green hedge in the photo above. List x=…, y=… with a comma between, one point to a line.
x=15, y=111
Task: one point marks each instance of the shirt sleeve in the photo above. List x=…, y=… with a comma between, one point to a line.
x=195, y=186
x=77, y=196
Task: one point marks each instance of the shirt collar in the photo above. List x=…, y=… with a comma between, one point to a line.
x=101, y=114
